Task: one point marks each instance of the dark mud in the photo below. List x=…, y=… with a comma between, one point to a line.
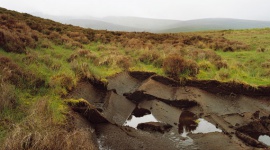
x=229, y=88
x=187, y=114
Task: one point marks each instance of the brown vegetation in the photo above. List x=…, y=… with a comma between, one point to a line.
x=8, y=98
x=15, y=75
x=174, y=65
x=215, y=43
x=39, y=131
x=62, y=83
x=26, y=30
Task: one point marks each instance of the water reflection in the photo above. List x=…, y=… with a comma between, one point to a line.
x=264, y=139
x=133, y=121
x=205, y=127
x=188, y=122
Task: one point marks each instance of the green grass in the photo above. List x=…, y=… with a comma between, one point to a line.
x=96, y=59
x=246, y=66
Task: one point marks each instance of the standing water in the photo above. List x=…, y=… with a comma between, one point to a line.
x=205, y=127
x=264, y=139
x=134, y=121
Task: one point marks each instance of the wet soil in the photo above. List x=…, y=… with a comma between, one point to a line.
x=197, y=112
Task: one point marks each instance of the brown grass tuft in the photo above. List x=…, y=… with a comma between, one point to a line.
x=220, y=64
x=8, y=98
x=83, y=53
x=173, y=65
x=150, y=56
x=191, y=68
x=38, y=131
x=62, y=83
x=15, y=75
x=266, y=64
x=81, y=70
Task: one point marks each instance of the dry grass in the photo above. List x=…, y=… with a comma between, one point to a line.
x=8, y=98
x=15, y=75
x=62, y=83
x=39, y=131
x=81, y=70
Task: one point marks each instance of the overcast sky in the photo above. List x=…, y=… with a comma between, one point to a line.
x=166, y=9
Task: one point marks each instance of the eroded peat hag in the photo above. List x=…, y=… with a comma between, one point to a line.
x=184, y=117
x=66, y=87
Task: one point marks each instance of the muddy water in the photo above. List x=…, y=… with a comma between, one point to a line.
x=264, y=139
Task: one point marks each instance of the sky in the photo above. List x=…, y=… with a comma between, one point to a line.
x=160, y=9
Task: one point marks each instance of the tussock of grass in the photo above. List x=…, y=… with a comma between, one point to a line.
x=8, y=97
x=40, y=131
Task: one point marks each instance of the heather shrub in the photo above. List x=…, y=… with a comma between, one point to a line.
x=124, y=62
x=220, y=64
x=191, y=68
x=55, y=37
x=148, y=56
x=10, y=42
x=15, y=75
x=173, y=65
x=45, y=43
x=11, y=72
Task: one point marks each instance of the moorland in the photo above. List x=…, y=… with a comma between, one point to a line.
x=43, y=63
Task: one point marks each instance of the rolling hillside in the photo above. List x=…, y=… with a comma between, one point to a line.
x=131, y=24
x=149, y=24
x=215, y=24
x=100, y=25
x=61, y=86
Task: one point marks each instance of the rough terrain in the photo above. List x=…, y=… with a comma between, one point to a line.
x=242, y=118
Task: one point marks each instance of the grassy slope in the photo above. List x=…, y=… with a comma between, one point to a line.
x=47, y=69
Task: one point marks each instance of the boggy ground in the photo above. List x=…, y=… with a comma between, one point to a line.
x=242, y=118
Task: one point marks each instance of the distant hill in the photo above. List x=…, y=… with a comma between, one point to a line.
x=215, y=24
x=87, y=22
x=148, y=24
x=100, y=25
x=166, y=26
x=138, y=24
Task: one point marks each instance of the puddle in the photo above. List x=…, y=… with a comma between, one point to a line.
x=205, y=127
x=264, y=139
x=134, y=121
x=189, y=123
x=179, y=140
